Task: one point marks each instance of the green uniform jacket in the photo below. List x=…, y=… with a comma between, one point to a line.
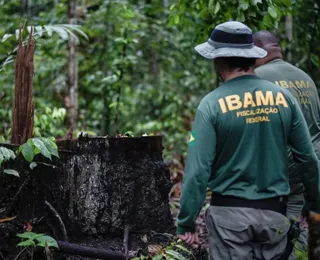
x=304, y=90
x=238, y=146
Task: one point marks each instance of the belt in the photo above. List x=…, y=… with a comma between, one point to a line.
x=277, y=204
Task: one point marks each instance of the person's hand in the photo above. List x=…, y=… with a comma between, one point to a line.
x=192, y=239
x=303, y=222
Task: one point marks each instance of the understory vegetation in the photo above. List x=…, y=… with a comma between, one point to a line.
x=135, y=71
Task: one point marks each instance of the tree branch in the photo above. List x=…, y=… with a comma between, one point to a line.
x=57, y=216
x=92, y=252
x=126, y=240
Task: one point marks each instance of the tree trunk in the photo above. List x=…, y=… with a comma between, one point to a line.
x=23, y=110
x=154, y=63
x=71, y=101
x=104, y=193
x=24, y=4
x=289, y=38
x=106, y=119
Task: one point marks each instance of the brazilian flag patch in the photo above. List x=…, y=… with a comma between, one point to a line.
x=192, y=138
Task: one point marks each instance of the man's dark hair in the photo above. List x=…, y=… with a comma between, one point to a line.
x=261, y=38
x=243, y=64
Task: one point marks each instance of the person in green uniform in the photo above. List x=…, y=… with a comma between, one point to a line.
x=238, y=149
x=275, y=69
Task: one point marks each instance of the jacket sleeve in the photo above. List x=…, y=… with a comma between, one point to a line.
x=305, y=157
x=200, y=155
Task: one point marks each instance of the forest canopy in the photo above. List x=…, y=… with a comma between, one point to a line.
x=135, y=69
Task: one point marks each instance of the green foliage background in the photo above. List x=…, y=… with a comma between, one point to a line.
x=143, y=52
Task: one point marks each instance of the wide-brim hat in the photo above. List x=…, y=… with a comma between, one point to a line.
x=230, y=39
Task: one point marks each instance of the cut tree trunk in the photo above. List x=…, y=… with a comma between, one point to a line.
x=23, y=110
x=110, y=193
x=71, y=101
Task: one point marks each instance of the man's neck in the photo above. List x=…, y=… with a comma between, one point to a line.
x=274, y=53
x=235, y=74
x=273, y=56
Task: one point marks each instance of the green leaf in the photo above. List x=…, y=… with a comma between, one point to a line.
x=1, y=158
x=183, y=249
x=6, y=37
x=211, y=6
x=244, y=4
x=171, y=7
x=51, y=146
x=27, y=151
x=175, y=254
x=49, y=30
x=176, y=19
x=60, y=31
x=26, y=243
x=69, y=32
x=17, y=34
x=272, y=11
x=29, y=29
x=11, y=172
x=42, y=147
x=110, y=79
x=39, y=30
x=47, y=241
x=241, y=17
x=129, y=133
x=11, y=154
x=29, y=235
x=288, y=3
x=267, y=21
x=51, y=138
x=217, y=8
x=158, y=257
x=33, y=165
x=7, y=153
x=315, y=60
x=76, y=28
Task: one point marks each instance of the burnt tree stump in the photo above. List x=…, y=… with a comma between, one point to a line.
x=100, y=188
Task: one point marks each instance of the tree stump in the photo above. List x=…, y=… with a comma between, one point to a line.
x=108, y=193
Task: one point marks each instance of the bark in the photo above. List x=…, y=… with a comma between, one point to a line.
x=23, y=109
x=72, y=82
x=103, y=193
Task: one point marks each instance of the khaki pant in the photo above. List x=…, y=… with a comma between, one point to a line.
x=245, y=233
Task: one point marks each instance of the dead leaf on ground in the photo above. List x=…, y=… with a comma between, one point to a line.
x=2, y=220
x=154, y=249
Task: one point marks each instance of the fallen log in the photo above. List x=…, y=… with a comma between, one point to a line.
x=91, y=252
